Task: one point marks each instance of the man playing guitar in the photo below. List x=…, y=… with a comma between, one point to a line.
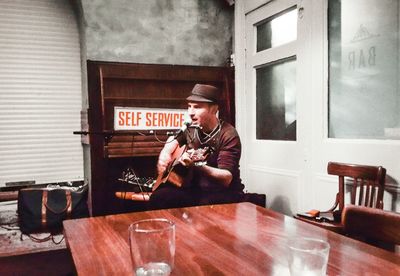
x=216, y=179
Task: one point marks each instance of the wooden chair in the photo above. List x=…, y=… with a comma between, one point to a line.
x=367, y=190
x=374, y=226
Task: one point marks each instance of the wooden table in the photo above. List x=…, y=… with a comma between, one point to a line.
x=231, y=239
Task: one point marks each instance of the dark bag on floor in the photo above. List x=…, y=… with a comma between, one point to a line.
x=44, y=209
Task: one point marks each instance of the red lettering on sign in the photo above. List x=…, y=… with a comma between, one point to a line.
x=151, y=119
x=148, y=119
x=176, y=122
x=127, y=118
x=154, y=121
x=168, y=119
x=161, y=119
x=132, y=122
x=121, y=118
x=138, y=118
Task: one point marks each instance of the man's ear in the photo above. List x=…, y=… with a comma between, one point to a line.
x=214, y=108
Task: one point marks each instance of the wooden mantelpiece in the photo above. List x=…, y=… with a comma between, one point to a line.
x=138, y=85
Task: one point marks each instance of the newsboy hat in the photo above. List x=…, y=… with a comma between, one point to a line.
x=204, y=93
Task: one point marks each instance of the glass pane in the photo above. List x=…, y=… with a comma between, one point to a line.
x=276, y=101
x=277, y=31
x=364, y=98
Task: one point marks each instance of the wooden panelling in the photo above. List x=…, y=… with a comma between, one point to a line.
x=134, y=145
x=139, y=85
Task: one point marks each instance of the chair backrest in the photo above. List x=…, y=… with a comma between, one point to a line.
x=372, y=224
x=369, y=181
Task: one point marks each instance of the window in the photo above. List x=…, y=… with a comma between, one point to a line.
x=276, y=100
x=40, y=93
x=278, y=30
x=276, y=77
x=364, y=98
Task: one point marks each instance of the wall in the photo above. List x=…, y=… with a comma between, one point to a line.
x=185, y=32
x=190, y=32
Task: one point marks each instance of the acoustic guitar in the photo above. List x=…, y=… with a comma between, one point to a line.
x=175, y=173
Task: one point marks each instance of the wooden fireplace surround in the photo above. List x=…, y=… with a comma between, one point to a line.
x=138, y=85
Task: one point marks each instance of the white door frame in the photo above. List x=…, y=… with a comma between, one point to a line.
x=265, y=176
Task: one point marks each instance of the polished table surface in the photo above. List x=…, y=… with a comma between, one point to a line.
x=229, y=239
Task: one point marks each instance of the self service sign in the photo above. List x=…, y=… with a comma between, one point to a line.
x=130, y=118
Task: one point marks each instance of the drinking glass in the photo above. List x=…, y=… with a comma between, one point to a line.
x=152, y=246
x=308, y=256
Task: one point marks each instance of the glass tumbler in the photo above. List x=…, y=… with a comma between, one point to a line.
x=152, y=246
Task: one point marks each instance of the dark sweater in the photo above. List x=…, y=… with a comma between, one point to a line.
x=226, y=151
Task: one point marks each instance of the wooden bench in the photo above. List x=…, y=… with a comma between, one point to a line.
x=258, y=199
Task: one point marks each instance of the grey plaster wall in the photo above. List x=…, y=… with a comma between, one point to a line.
x=189, y=32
